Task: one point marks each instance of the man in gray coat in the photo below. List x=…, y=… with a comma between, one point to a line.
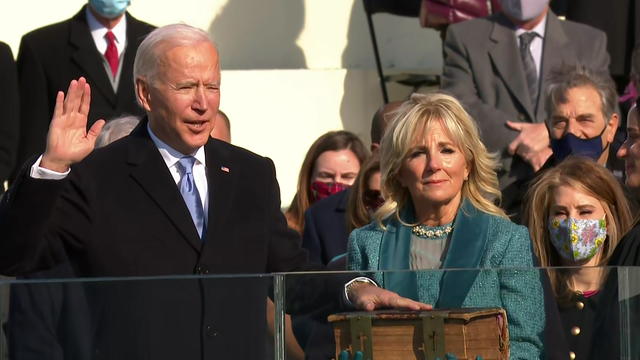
x=498, y=66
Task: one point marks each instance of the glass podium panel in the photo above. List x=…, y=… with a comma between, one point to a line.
x=285, y=316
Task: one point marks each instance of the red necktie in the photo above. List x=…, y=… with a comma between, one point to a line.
x=112, y=53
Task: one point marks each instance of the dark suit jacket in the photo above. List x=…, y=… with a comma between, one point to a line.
x=119, y=213
x=483, y=69
x=9, y=124
x=618, y=321
x=49, y=319
x=52, y=56
x=325, y=228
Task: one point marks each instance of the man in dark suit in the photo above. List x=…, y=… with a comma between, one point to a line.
x=9, y=125
x=50, y=57
x=502, y=79
x=118, y=212
x=165, y=200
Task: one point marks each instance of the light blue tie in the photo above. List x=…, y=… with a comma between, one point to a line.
x=190, y=193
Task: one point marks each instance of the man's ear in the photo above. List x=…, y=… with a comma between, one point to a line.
x=612, y=126
x=143, y=94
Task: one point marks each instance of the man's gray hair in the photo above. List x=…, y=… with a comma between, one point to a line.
x=116, y=129
x=567, y=77
x=150, y=51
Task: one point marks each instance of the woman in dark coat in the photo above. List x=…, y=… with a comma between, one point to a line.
x=576, y=213
x=612, y=336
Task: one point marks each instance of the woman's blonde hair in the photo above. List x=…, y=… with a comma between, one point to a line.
x=588, y=177
x=412, y=122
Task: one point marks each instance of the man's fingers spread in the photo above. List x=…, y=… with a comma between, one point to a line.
x=67, y=99
x=75, y=95
x=95, y=130
x=86, y=100
x=57, y=110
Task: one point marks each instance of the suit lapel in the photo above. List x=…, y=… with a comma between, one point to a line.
x=135, y=35
x=468, y=243
x=503, y=51
x=221, y=177
x=87, y=57
x=395, y=252
x=150, y=172
x=557, y=51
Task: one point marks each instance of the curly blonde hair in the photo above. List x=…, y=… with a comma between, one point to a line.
x=410, y=122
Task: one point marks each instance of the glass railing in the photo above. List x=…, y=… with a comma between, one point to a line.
x=479, y=313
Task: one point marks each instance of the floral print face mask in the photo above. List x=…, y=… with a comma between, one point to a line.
x=577, y=239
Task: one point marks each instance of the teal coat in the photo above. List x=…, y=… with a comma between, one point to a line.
x=499, y=251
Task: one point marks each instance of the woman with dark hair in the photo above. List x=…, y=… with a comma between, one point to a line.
x=330, y=166
x=576, y=213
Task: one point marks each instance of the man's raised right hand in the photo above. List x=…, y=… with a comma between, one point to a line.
x=68, y=140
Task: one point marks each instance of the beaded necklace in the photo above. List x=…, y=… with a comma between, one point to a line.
x=432, y=232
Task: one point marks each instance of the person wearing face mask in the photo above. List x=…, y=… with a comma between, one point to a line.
x=326, y=221
x=498, y=66
x=326, y=243
x=576, y=214
x=583, y=116
x=330, y=166
x=628, y=254
x=99, y=43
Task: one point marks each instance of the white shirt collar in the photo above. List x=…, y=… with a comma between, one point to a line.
x=539, y=29
x=98, y=31
x=171, y=155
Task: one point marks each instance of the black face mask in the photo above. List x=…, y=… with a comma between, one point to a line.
x=570, y=144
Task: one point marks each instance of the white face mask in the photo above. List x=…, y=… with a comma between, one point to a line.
x=523, y=10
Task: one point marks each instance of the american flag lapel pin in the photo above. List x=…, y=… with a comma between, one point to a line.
x=224, y=168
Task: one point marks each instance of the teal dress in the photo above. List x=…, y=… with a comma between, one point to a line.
x=498, y=251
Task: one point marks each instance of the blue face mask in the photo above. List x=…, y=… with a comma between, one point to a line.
x=573, y=145
x=110, y=9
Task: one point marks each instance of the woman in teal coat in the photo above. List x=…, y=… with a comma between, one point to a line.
x=440, y=187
